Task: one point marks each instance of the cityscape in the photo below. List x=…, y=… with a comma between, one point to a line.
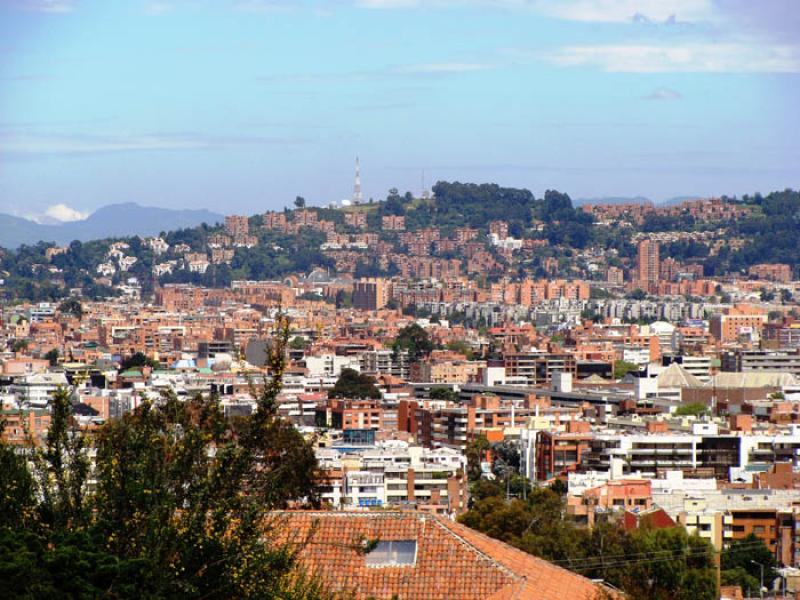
x=244, y=359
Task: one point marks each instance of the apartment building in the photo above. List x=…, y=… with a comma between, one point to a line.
x=395, y=474
x=539, y=367
x=705, y=448
x=774, y=361
x=236, y=225
x=450, y=425
x=735, y=322
x=371, y=294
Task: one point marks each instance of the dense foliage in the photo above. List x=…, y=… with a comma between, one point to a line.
x=646, y=563
x=771, y=230
x=181, y=505
x=414, y=340
x=354, y=385
x=742, y=563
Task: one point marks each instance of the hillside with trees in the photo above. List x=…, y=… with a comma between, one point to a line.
x=768, y=232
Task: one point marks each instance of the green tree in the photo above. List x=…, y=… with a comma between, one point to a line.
x=300, y=202
x=622, y=368
x=415, y=340
x=462, y=347
x=182, y=506
x=747, y=554
x=52, y=356
x=739, y=576
x=72, y=307
x=637, y=294
x=137, y=360
x=475, y=453
x=684, y=571
x=354, y=385
x=443, y=393
x=63, y=469
x=17, y=488
x=298, y=343
x=645, y=563
x=693, y=409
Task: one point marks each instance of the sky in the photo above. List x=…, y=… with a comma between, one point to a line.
x=238, y=106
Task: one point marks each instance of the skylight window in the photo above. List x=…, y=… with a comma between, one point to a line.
x=394, y=553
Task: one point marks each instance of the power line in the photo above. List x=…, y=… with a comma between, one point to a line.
x=644, y=557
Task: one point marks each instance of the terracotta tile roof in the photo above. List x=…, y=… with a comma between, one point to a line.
x=452, y=562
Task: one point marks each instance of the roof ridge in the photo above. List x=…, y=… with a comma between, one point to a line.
x=465, y=542
x=524, y=554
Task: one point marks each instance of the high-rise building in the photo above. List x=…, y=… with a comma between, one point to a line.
x=371, y=293
x=649, y=263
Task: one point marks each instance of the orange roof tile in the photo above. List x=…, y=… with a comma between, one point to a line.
x=452, y=562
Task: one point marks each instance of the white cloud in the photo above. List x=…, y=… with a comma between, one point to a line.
x=155, y=9
x=265, y=6
x=25, y=145
x=664, y=94
x=388, y=3
x=603, y=11
x=610, y=11
x=65, y=214
x=735, y=57
x=442, y=67
x=88, y=144
x=42, y=6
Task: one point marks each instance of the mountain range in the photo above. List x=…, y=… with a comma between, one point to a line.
x=115, y=220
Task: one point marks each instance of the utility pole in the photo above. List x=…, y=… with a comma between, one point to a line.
x=760, y=589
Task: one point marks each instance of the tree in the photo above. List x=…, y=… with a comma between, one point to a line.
x=506, y=458
x=167, y=517
x=747, y=554
x=71, y=306
x=739, y=576
x=475, y=453
x=684, y=568
x=138, y=360
x=693, y=409
x=63, y=469
x=17, y=488
x=300, y=202
x=637, y=294
x=415, y=340
x=462, y=347
x=443, y=393
x=52, y=357
x=622, y=368
x=352, y=384
x=298, y=343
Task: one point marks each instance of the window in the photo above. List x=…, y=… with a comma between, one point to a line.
x=393, y=553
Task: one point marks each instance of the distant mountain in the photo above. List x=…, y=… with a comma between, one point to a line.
x=612, y=200
x=678, y=200
x=633, y=200
x=115, y=220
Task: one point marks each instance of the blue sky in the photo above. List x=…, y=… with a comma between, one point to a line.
x=239, y=105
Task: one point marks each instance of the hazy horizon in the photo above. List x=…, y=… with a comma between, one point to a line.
x=239, y=106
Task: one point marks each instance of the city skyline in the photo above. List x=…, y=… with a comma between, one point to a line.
x=247, y=104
